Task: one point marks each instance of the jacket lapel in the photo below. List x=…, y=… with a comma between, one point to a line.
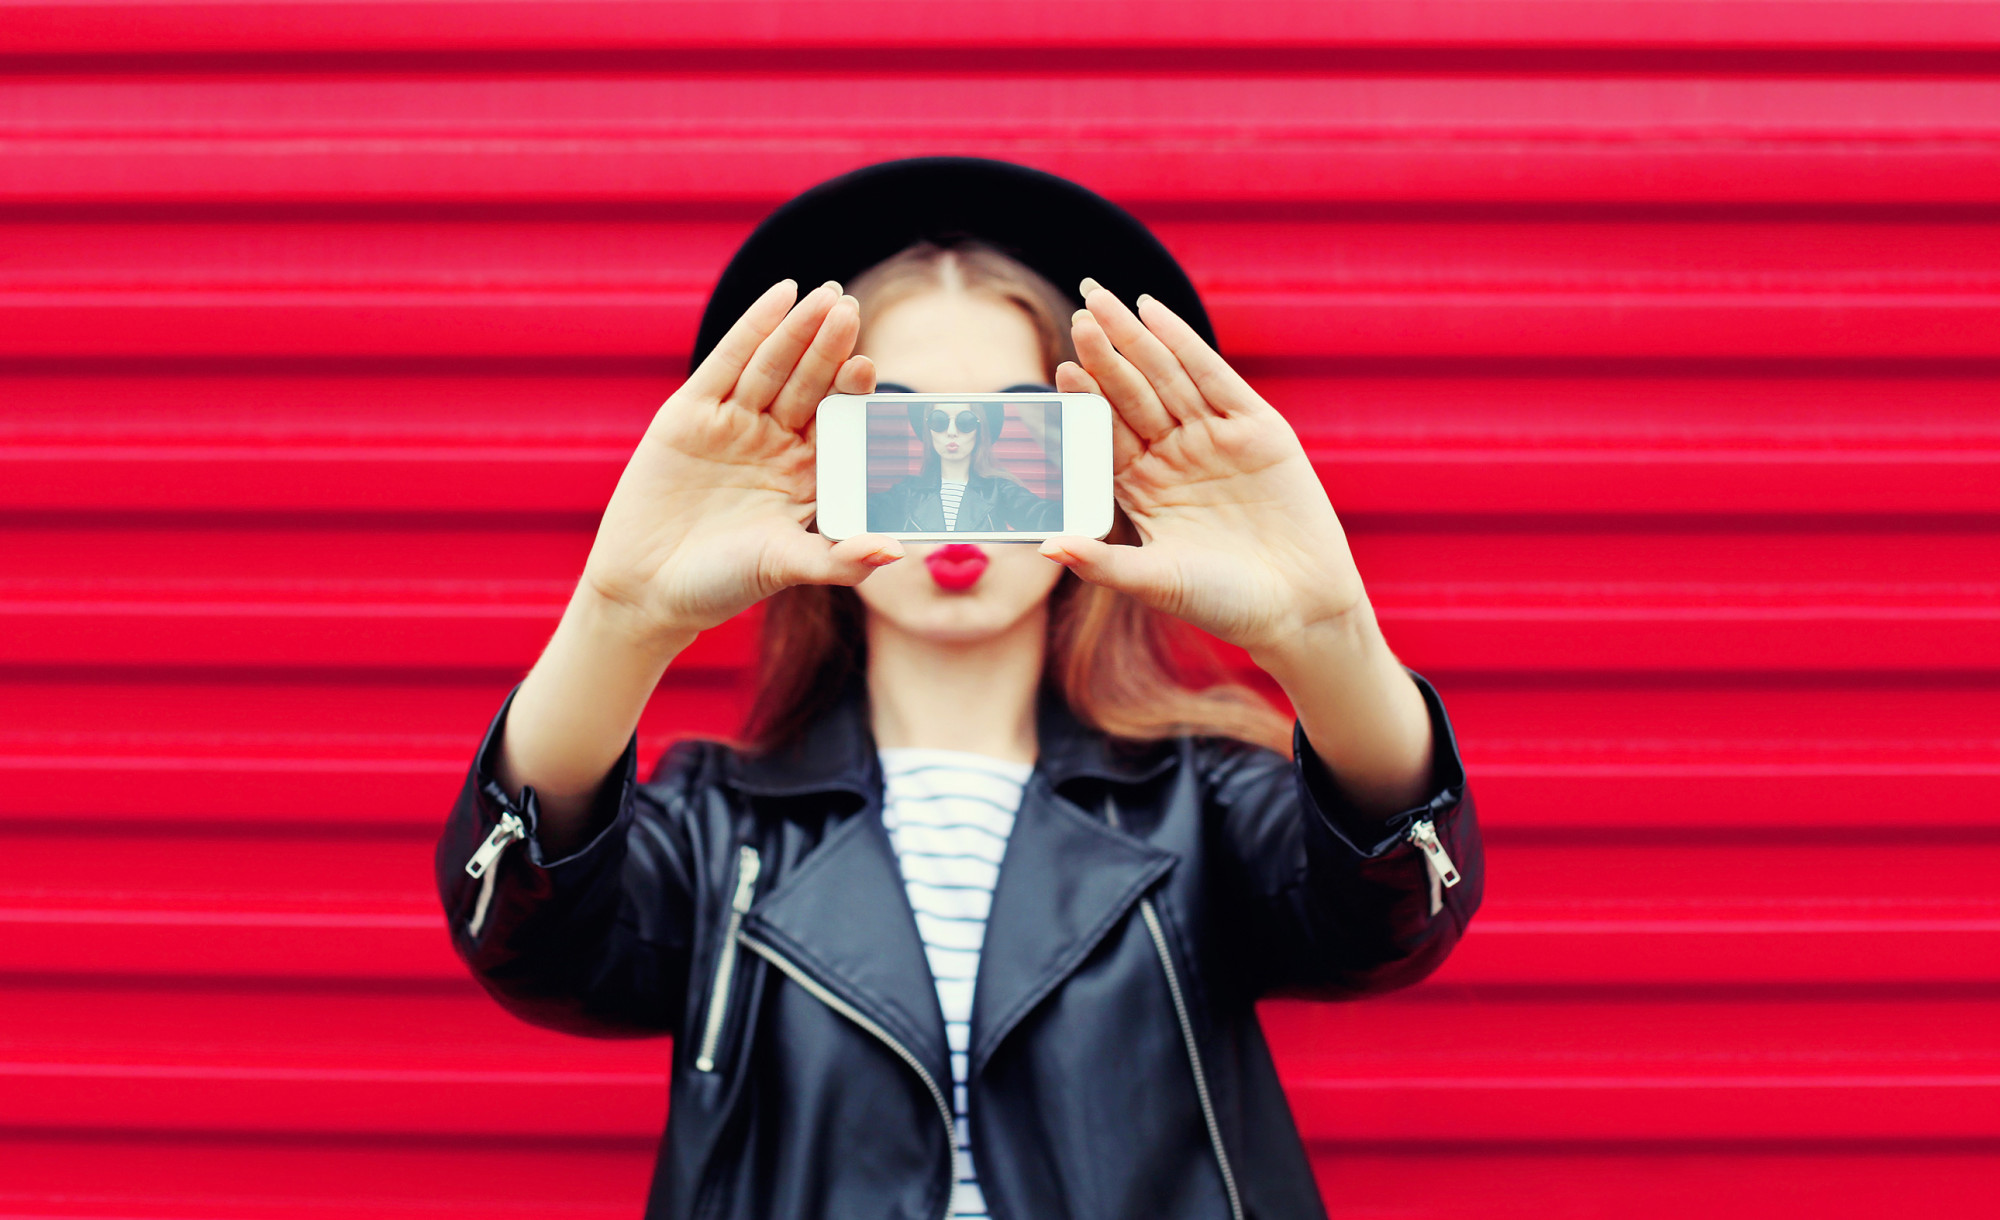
x=929, y=512
x=841, y=917
x=975, y=508
x=840, y=914
x=1066, y=880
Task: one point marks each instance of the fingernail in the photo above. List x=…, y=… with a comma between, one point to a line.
x=1078, y=316
x=833, y=284
x=887, y=554
x=1089, y=285
x=1145, y=297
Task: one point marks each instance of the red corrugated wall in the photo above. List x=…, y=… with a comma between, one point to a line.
x=1650, y=351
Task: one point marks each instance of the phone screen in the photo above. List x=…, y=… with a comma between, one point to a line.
x=945, y=465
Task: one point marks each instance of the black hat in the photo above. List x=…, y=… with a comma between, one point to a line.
x=842, y=227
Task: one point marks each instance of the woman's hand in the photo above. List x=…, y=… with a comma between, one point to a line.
x=1238, y=535
x=1238, y=538
x=709, y=516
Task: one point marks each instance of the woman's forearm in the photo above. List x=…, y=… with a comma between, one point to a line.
x=577, y=709
x=1363, y=715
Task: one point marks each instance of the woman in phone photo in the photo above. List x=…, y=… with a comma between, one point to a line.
x=972, y=916
x=960, y=488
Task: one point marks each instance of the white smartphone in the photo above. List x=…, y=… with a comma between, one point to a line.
x=965, y=467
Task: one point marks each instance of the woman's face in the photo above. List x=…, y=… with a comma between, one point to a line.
x=943, y=342
x=953, y=444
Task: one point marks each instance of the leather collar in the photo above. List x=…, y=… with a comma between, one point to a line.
x=1066, y=879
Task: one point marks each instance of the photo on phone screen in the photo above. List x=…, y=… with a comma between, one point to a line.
x=936, y=465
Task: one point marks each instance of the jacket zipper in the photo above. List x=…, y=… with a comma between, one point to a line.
x=483, y=866
x=748, y=865
x=1194, y=1057
x=1443, y=873
x=1208, y=1118
x=855, y=1015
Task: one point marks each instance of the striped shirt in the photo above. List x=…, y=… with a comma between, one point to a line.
x=951, y=493
x=949, y=814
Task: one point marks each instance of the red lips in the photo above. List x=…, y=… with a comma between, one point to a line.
x=956, y=565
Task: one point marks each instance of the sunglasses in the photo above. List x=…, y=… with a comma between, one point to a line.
x=967, y=421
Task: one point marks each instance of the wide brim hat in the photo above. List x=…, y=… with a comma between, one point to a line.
x=844, y=226
x=992, y=417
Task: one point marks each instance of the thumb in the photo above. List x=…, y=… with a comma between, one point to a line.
x=1136, y=570
x=809, y=559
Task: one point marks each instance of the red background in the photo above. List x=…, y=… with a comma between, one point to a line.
x=1648, y=349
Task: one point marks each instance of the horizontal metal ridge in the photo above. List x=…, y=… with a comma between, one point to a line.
x=1627, y=324
x=1611, y=905
x=1717, y=632
x=1465, y=480
x=86, y=782
x=457, y=171
x=166, y=26
x=1647, y=947
x=197, y=1175
x=1826, y=1069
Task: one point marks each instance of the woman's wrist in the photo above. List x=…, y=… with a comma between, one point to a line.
x=619, y=624
x=1360, y=711
x=1346, y=637
x=579, y=706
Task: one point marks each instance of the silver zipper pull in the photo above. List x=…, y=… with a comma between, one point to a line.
x=1424, y=833
x=748, y=865
x=485, y=903
x=505, y=834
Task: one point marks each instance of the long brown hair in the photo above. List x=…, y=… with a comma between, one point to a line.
x=1125, y=669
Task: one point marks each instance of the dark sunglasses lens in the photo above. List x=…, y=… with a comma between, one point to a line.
x=967, y=421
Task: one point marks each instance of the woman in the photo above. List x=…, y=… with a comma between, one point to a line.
x=961, y=487
x=976, y=921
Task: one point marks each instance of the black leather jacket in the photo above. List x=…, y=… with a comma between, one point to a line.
x=753, y=908
x=914, y=506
